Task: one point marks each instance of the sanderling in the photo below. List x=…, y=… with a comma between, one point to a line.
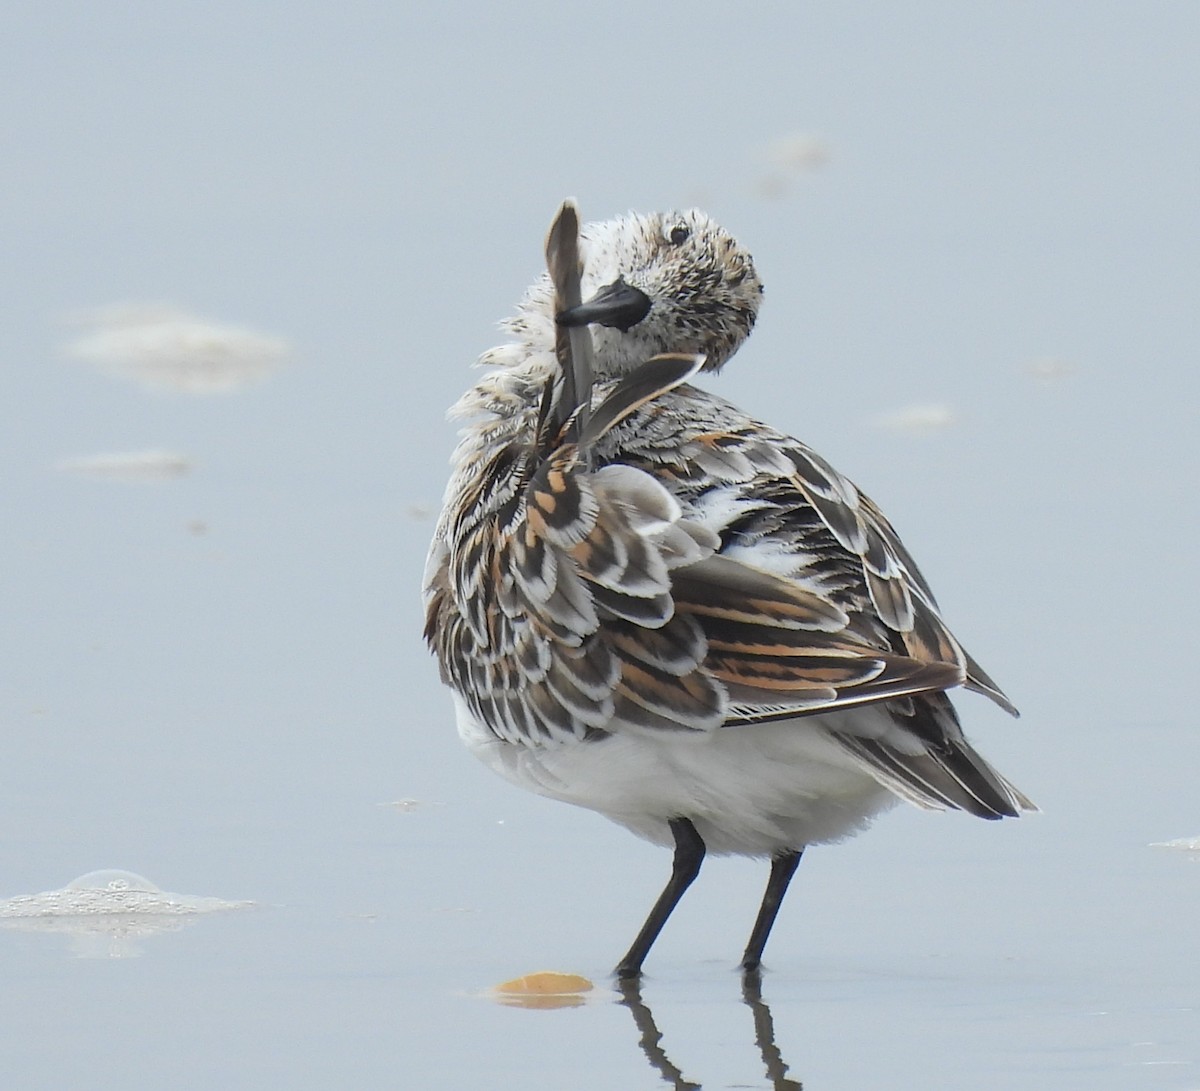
x=650, y=604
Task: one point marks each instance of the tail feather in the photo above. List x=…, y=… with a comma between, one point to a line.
x=947, y=773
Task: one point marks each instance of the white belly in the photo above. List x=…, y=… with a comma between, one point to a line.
x=754, y=790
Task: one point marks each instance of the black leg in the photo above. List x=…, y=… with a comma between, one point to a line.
x=689, y=855
x=783, y=867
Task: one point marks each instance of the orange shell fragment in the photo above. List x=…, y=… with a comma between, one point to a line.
x=544, y=989
x=546, y=983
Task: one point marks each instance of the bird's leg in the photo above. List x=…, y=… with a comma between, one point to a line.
x=689, y=855
x=783, y=867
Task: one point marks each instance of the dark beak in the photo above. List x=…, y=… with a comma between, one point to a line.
x=617, y=304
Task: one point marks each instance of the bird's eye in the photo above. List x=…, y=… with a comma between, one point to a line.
x=678, y=235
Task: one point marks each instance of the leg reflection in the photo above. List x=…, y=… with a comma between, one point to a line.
x=764, y=1035
x=650, y=1037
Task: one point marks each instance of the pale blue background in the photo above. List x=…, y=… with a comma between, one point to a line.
x=224, y=712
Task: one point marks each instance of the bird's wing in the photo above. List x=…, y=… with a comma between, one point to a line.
x=778, y=505
x=573, y=595
x=899, y=593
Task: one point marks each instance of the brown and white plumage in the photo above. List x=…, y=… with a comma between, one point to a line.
x=653, y=605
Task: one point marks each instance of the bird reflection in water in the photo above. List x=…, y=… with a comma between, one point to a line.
x=650, y=1037
x=764, y=1035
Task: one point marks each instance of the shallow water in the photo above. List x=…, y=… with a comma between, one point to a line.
x=930, y=953
x=215, y=679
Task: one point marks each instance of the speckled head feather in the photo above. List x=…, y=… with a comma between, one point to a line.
x=703, y=290
x=701, y=286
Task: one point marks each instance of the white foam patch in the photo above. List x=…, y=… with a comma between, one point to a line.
x=1048, y=370
x=104, y=912
x=166, y=348
x=790, y=156
x=1187, y=844
x=407, y=806
x=799, y=152
x=132, y=466
x=918, y=419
